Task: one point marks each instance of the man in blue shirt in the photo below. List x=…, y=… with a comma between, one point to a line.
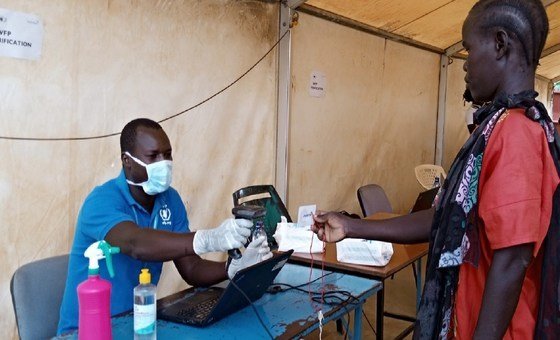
x=139, y=212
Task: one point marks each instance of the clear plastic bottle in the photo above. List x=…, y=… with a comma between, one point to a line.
x=436, y=182
x=145, y=308
x=259, y=230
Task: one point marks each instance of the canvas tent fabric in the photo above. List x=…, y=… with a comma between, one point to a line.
x=431, y=24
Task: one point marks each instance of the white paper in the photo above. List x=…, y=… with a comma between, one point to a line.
x=305, y=215
x=21, y=35
x=301, y=240
x=365, y=252
x=317, y=84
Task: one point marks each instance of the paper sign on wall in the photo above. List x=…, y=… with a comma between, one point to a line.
x=21, y=35
x=317, y=84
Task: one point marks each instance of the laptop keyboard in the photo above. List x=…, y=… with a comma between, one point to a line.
x=199, y=312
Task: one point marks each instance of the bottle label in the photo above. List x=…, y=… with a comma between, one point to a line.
x=144, y=318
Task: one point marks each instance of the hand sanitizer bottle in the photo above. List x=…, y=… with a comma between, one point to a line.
x=145, y=307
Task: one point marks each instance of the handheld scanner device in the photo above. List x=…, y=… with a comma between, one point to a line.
x=248, y=212
x=97, y=251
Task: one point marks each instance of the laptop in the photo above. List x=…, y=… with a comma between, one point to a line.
x=203, y=306
x=425, y=200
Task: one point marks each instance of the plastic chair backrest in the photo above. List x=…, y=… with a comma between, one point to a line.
x=37, y=290
x=426, y=175
x=373, y=199
x=264, y=196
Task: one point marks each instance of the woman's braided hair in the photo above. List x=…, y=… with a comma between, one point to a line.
x=526, y=20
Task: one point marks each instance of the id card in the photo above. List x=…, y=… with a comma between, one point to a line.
x=305, y=215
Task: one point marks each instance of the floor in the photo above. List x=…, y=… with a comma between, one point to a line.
x=400, y=297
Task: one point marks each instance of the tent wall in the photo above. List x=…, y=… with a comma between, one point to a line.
x=106, y=62
x=542, y=87
x=375, y=123
x=455, y=130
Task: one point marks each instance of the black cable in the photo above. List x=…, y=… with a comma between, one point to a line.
x=343, y=305
x=294, y=287
x=331, y=294
x=335, y=295
x=159, y=121
x=346, y=333
x=319, y=299
x=369, y=323
x=57, y=139
x=231, y=84
x=363, y=312
x=317, y=279
x=349, y=317
x=254, y=309
x=351, y=297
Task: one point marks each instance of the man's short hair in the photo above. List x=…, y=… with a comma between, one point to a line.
x=128, y=134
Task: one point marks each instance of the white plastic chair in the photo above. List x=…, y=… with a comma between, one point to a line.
x=426, y=175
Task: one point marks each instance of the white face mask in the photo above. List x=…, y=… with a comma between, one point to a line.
x=159, y=176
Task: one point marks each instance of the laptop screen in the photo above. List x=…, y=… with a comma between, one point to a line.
x=247, y=286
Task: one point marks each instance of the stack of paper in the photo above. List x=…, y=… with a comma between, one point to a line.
x=365, y=252
x=300, y=239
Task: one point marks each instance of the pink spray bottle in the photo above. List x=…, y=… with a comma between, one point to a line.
x=94, y=295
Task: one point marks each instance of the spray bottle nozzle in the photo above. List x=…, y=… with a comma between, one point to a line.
x=97, y=251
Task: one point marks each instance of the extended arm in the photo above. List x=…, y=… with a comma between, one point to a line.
x=202, y=273
x=199, y=272
x=147, y=244
x=502, y=290
x=411, y=228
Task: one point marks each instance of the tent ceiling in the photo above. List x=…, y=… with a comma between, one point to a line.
x=430, y=24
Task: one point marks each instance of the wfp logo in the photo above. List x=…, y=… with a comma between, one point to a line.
x=165, y=215
x=3, y=19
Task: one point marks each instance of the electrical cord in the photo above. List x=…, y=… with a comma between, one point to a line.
x=363, y=313
x=369, y=323
x=317, y=309
x=328, y=298
x=333, y=298
x=324, y=298
x=56, y=139
x=331, y=293
x=349, y=321
x=272, y=290
x=351, y=297
x=254, y=309
x=317, y=299
x=322, y=289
